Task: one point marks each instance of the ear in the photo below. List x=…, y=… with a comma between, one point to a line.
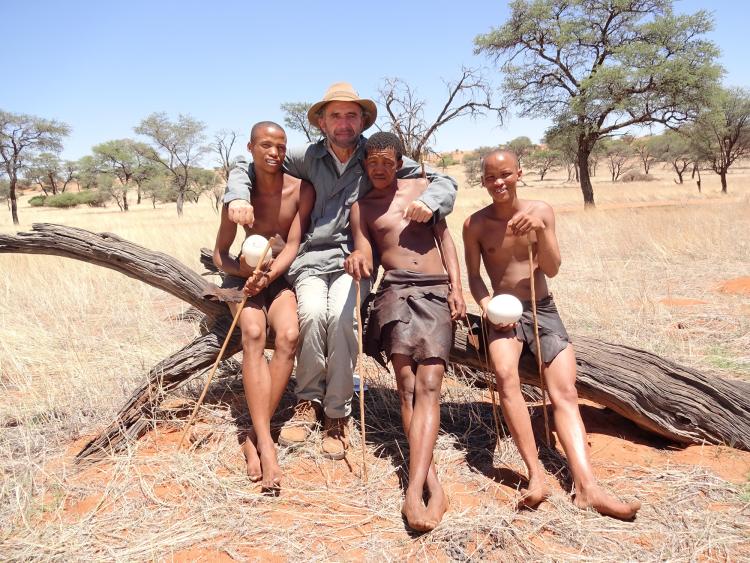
x=249, y=146
x=400, y=163
x=519, y=172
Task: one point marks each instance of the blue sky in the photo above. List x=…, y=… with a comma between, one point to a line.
x=101, y=67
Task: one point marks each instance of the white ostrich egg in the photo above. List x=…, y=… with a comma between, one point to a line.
x=504, y=309
x=253, y=248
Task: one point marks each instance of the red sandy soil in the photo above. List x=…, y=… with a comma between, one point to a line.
x=740, y=286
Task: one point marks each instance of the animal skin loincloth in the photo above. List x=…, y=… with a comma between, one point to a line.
x=410, y=315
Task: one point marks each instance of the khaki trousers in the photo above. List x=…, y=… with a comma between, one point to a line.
x=327, y=352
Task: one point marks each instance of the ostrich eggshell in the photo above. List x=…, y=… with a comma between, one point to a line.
x=252, y=249
x=504, y=309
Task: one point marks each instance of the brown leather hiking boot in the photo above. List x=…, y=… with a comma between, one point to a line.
x=296, y=430
x=336, y=437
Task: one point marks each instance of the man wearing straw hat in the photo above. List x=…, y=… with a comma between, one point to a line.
x=326, y=295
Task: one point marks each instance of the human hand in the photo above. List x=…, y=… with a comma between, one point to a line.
x=241, y=212
x=523, y=223
x=418, y=211
x=457, y=305
x=356, y=266
x=497, y=328
x=256, y=283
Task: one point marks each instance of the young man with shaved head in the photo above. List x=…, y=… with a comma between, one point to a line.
x=499, y=235
x=325, y=293
x=283, y=206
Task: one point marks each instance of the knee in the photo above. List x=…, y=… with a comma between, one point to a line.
x=312, y=311
x=430, y=384
x=406, y=393
x=253, y=336
x=563, y=394
x=286, y=340
x=506, y=376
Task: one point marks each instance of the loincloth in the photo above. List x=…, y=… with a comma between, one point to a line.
x=410, y=315
x=231, y=292
x=552, y=334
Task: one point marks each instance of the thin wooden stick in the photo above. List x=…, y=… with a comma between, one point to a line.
x=258, y=268
x=493, y=384
x=538, y=345
x=362, y=379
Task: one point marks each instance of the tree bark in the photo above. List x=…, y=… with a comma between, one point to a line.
x=13, y=202
x=180, y=202
x=723, y=176
x=678, y=403
x=583, y=174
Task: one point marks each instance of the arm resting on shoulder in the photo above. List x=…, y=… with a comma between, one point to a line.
x=440, y=194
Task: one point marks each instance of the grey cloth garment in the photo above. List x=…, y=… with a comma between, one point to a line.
x=328, y=241
x=552, y=334
x=410, y=315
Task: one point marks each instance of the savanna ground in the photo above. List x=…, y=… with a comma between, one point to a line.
x=657, y=266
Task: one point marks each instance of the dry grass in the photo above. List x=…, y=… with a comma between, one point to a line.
x=76, y=339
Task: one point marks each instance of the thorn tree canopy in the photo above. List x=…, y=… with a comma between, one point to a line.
x=22, y=137
x=177, y=146
x=600, y=66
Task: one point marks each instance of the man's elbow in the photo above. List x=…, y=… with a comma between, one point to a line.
x=551, y=269
x=217, y=259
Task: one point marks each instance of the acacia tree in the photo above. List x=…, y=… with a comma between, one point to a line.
x=562, y=140
x=45, y=170
x=601, y=67
x=522, y=147
x=222, y=145
x=542, y=160
x=295, y=118
x=177, y=146
x=644, y=148
x=674, y=148
x=616, y=152
x=123, y=160
x=21, y=137
x=721, y=135
x=469, y=96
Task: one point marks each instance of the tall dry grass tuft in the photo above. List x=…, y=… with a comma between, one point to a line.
x=77, y=339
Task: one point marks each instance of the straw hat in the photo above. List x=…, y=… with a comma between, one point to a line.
x=343, y=92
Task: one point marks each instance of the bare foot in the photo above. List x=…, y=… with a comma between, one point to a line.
x=597, y=499
x=536, y=493
x=438, y=505
x=415, y=513
x=254, y=471
x=271, y=471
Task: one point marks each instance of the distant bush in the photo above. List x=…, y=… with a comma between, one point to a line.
x=92, y=198
x=37, y=200
x=62, y=200
x=635, y=176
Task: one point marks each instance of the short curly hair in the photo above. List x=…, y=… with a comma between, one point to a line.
x=382, y=141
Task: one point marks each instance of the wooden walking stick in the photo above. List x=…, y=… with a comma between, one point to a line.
x=361, y=379
x=538, y=345
x=258, y=268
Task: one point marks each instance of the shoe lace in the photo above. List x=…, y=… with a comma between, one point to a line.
x=336, y=430
x=302, y=409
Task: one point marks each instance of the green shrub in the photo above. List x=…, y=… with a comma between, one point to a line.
x=62, y=200
x=93, y=198
x=37, y=200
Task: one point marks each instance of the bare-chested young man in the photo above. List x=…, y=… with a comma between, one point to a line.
x=499, y=235
x=412, y=312
x=282, y=209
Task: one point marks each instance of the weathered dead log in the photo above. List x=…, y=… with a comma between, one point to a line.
x=659, y=395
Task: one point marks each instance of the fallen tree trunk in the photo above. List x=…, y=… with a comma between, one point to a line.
x=673, y=401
